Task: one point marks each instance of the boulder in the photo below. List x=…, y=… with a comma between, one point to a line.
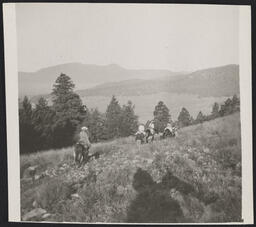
x=30, y=172
x=46, y=215
x=35, y=204
x=75, y=196
x=120, y=190
x=35, y=213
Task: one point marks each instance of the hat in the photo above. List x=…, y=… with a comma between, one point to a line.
x=84, y=128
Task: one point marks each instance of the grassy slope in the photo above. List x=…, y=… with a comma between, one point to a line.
x=207, y=155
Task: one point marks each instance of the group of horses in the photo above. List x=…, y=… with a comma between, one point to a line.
x=150, y=134
x=82, y=156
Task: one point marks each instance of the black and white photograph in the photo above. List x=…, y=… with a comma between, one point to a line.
x=128, y=113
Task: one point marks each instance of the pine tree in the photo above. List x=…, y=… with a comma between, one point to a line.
x=42, y=120
x=235, y=103
x=226, y=108
x=94, y=120
x=184, y=118
x=113, y=119
x=129, y=121
x=69, y=111
x=27, y=132
x=200, y=117
x=161, y=116
x=215, y=110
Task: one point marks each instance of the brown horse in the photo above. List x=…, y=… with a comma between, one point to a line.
x=150, y=135
x=81, y=154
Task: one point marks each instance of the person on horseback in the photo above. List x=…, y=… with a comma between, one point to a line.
x=169, y=127
x=150, y=132
x=84, y=138
x=152, y=127
x=169, y=131
x=82, y=147
x=140, y=134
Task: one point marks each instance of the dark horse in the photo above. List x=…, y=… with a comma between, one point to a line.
x=82, y=154
x=150, y=135
x=169, y=133
x=140, y=137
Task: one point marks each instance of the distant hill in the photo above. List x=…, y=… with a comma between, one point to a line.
x=219, y=81
x=83, y=75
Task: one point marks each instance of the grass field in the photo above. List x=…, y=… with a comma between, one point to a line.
x=206, y=156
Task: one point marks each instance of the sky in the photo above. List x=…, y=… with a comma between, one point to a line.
x=135, y=36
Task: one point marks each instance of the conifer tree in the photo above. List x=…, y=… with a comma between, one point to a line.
x=27, y=132
x=184, y=118
x=215, y=110
x=113, y=119
x=42, y=120
x=200, y=117
x=161, y=116
x=129, y=120
x=235, y=103
x=68, y=109
x=94, y=120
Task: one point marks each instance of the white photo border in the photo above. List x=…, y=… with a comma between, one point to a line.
x=12, y=121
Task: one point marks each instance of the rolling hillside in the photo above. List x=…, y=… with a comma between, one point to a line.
x=205, y=157
x=83, y=75
x=220, y=81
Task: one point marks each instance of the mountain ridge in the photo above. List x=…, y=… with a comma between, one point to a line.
x=83, y=75
x=219, y=81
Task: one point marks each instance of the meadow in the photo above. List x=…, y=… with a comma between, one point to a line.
x=206, y=156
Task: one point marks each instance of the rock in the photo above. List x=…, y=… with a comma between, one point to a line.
x=37, y=177
x=30, y=172
x=120, y=190
x=238, y=166
x=47, y=215
x=75, y=196
x=35, y=204
x=206, y=149
x=36, y=213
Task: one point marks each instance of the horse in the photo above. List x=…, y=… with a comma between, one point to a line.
x=82, y=156
x=150, y=134
x=140, y=137
x=169, y=133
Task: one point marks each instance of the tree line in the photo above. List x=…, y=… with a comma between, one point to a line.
x=162, y=114
x=58, y=125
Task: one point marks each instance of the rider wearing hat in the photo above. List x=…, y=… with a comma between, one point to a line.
x=169, y=127
x=84, y=138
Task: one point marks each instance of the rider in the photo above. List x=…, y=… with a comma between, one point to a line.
x=140, y=133
x=169, y=127
x=151, y=127
x=84, y=138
